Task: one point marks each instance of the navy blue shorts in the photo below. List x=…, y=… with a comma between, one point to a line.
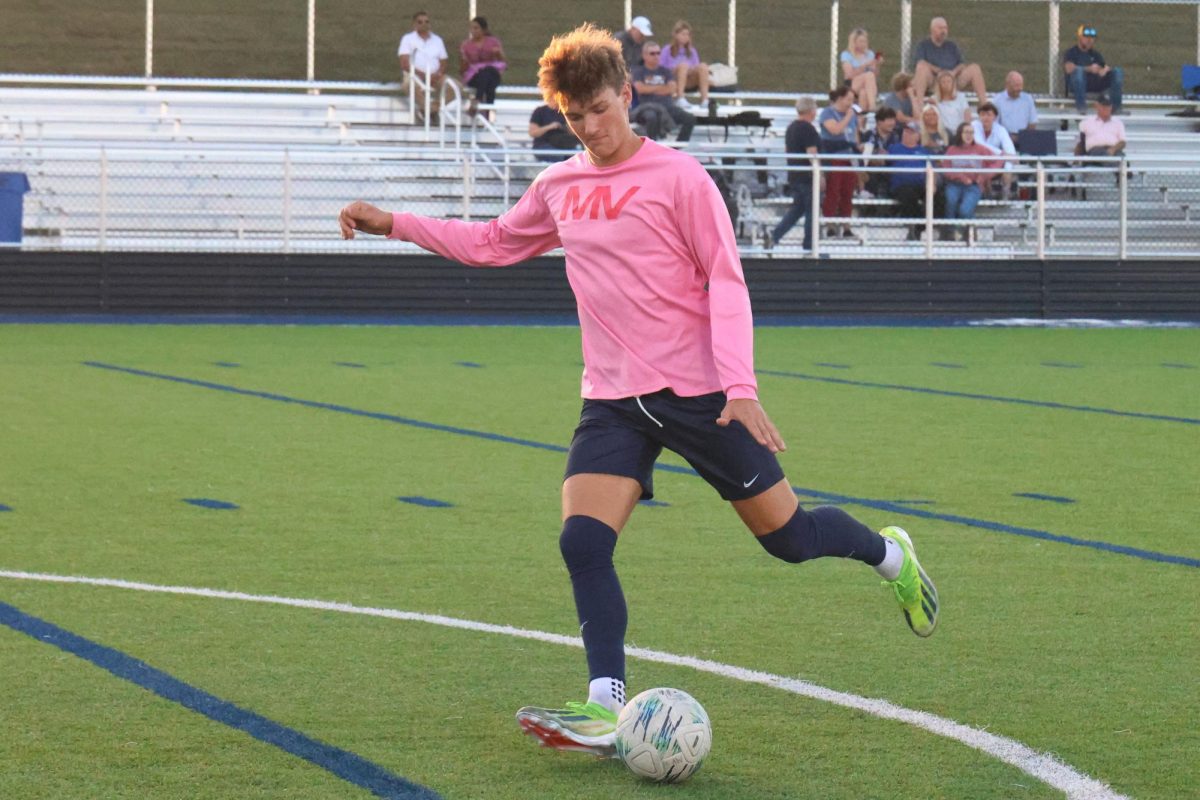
x=624, y=437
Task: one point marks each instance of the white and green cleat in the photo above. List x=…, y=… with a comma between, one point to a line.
x=580, y=727
x=916, y=594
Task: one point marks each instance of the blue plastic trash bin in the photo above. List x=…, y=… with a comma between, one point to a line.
x=13, y=186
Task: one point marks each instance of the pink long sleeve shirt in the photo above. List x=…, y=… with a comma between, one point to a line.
x=651, y=258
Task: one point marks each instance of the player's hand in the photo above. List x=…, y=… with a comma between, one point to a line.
x=751, y=414
x=360, y=216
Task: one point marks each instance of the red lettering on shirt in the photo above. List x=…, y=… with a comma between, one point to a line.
x=590, y=205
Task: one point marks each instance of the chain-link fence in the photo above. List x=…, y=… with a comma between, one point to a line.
x=898, y=207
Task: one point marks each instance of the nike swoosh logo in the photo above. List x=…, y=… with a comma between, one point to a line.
x=748, y=483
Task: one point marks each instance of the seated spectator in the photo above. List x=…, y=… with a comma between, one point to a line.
x=908, y=179
x=860, y=68
x=1086, y=71
x=901, y=98
x=801, y=138
x=838, y=127
x=482, y=62
x=656, y=109
x=951, y=103
x=933, y=134
x=549, y=130
x=423, y=54
x=885, y=134
x=963, y=186
x=1015, y=106
x=682, y=59
x=1102, y=134
x=632, y=41
x=938, y=54
x=990, y=134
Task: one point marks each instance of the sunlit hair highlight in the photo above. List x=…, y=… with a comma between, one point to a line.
x=580, y=64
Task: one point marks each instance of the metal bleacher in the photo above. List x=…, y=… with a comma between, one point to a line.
x=218, y=168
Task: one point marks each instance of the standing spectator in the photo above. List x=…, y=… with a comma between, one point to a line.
x=838, y=127
x=933, y=134
x=632, y=41
x=1102, y=134
x=860, y=68
x=885, y=134
x=682, y=59
x=1087, y=71
x=482, y=62
x=801, y=137
x=901, y=98
x=656, y=87
x=952, y=104
x=549, y=130
x=908, y=179
x=964, y=186
x=423, y=54
x=939, y=54
x=990, y=134
x=1015, y=106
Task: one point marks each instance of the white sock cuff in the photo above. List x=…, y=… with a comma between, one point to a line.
x=608, y=692
x=893, y=560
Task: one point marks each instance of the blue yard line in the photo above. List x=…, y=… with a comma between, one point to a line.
x=973, y=396
x=350, y=364
x=831, y=365
x=653, y=503
x=5, y=508
x=205, y=502
x=229, y=364
x=883, y=505
x=947, y=365
x=471, y=364
x=1061, y=365
x=1053, y=498
x=428, y=502
x=342, y=763
x=1170, y=365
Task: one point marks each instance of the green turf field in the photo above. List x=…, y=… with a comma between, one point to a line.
x=1085, y=654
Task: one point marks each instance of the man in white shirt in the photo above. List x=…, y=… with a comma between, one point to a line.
x=1102, y=134
x=1015, y=106
x=423, y=53
x=991, y=134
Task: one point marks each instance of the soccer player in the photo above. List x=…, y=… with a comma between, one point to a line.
x=668, y=362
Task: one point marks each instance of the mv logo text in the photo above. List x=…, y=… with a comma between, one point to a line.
x=598, y=199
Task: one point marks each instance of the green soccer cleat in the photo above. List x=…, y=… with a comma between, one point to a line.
x=916, y=594
x=580, y=727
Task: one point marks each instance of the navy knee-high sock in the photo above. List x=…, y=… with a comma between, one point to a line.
x=824, y=531
x=587, y=546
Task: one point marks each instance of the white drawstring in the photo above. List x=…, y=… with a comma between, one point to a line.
x=647, y=413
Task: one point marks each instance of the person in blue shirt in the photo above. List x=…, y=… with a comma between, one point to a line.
x=1015, y=106
x=908, y=179
x=1086, y=71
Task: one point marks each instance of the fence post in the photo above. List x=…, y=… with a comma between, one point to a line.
x=1041, y=210
x=149, y=38
x=311, y=72
x=814, y=213
x=468, y=185
x=287, y=201
x=833, y=43
x=1053, y=67
x=905, y=33
x=930, y=190
x=733, y=33
x=628, y=13
x=1123, y=183
x=103, y=222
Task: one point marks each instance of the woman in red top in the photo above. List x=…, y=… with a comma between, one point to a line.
x=482, y=62
x=964, y=186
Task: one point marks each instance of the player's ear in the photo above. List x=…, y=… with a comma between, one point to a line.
x=627, y=95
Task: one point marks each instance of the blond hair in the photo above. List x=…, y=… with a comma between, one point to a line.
x=579, y=65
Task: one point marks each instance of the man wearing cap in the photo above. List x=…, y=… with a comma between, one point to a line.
x=908, y=179
x=632, y=40
x=1086, y=71
x=1102, y=134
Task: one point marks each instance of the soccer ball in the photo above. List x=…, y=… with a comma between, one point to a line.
x=663, y=735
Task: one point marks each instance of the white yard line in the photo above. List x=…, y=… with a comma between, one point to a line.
x=1043, y=766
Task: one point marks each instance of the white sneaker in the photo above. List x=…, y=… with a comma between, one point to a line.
x=683, y=103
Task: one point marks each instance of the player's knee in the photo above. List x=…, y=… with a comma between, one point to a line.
x=795, y=542
x=586, y=544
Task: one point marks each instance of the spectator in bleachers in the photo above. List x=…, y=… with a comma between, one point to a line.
x=549, y=130
x=801, y=138
x=690, y=72
x=656, y=109
x=860, y=68
x=908, y=179
x=482, y=62
x=1086, y=71
x=885, y=134
x=951, y=103
x=992, y=135
x=962, y=189
x=1015, y=106
x=632, y=41
x=901, y=98
x=838, y=127
x=933, y=134
x=938, y=54
x=1102, y=134
x=424, y=53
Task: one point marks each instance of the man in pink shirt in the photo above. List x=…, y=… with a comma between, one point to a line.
x=668, y=362
x=1102, y=134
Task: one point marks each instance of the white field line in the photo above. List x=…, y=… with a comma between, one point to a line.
x=1043, y=766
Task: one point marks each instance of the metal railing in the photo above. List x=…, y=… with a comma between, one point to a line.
x=212, y=200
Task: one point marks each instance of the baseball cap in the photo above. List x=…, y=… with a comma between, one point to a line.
x=912, y=126
x=1086, y=30
x=642, y=24
x=1104, y=100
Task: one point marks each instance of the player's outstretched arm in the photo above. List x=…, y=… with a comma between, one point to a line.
x=360, y=216
x=751, y=414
